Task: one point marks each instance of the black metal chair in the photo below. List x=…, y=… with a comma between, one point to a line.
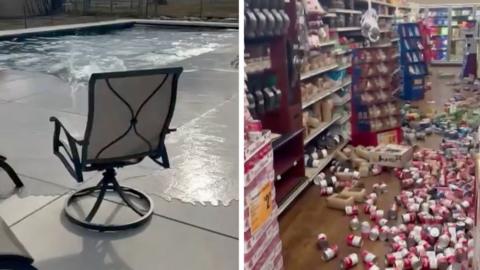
x=128, y=118
x=13, y=254
x=11, y=173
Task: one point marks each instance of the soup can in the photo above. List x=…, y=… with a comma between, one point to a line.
x=349, y=262
x=329, y=253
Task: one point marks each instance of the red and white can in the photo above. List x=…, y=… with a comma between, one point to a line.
x=374, y=233
x=369, y=208
x=383, y=187
x=355, y=224
x=354, y=240
x=393, y=212
x=379, y=213
x=351, y=210
x=322, y=241
x=443, y=241
x=329, y=253
x=391, y=258
x=408, y=218
x=324, y=191
x=450, y=255
x=373, y=196
x=368, y=257
x=349, y=262
x=365, y=229
x=384, y=231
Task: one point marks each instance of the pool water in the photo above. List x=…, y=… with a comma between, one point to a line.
x=73, y=58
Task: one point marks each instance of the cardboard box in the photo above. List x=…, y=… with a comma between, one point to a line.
x=391, y=155
x=358, y=194
x=339, y=201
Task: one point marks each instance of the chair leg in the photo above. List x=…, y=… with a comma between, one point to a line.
x=109, y=184
x=11, y=172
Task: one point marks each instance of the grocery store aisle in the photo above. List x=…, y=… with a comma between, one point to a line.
x=309, y=215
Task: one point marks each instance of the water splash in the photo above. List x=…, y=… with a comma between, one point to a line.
x=73, y=58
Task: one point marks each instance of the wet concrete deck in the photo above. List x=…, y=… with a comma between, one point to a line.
x=195, y=225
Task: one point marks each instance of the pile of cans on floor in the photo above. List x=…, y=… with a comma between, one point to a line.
x=430, y=225
x=438, y=198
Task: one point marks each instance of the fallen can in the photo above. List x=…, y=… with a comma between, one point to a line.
x=355, y=224
x=349, y=262
x=329, y=253
x=351, y=210
x=384, y=231
x=408, y=218
x=368, y=257
x=322, y=241
x=354, y=240
x=365, y=229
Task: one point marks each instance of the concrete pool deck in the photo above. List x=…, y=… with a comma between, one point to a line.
x=181, y=235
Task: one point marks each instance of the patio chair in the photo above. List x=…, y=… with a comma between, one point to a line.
x=13, y=254
x=11, y=173
x=128, y=118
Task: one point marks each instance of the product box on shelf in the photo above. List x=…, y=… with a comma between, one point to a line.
x=391, y=155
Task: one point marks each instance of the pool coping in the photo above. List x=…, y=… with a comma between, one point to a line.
x=9, y=34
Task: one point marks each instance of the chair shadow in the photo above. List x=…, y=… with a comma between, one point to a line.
x=97, y=249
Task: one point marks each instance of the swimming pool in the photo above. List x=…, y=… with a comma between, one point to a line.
x=74, y=57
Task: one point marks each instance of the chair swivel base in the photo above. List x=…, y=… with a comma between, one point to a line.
x=109, y=184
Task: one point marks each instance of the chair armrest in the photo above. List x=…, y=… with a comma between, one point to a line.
x=59, y=125
x=170, y=130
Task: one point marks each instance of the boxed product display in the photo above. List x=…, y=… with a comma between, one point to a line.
x=391, y=155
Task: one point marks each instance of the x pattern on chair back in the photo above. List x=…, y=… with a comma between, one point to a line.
x=129, y=113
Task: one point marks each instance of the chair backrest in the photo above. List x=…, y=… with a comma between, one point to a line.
x=129, y=113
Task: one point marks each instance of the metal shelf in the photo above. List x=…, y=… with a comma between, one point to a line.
x=342, y=67
x=320, y=130
x=346, y=11
x=346, y=29
x=325, y=94
x=317, y=72
x=326, y=44
x=310, y=173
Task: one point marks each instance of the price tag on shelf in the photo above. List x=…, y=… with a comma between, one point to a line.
x=389, y=137
x=260, y=206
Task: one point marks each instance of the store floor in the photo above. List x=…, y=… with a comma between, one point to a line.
x=195, y=224
x=309, y=215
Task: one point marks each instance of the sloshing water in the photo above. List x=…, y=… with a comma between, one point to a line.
x=73, y=58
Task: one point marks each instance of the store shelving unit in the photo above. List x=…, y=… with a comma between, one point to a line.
x=413, y=64
x=375, y=111
x=287, y=145
x=289, y=184
x=446, y=23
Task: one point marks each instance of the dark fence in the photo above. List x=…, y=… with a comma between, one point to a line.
x=155, y=8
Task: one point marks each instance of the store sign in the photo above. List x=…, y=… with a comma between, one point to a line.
x=261, y=205
x=389, y=137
